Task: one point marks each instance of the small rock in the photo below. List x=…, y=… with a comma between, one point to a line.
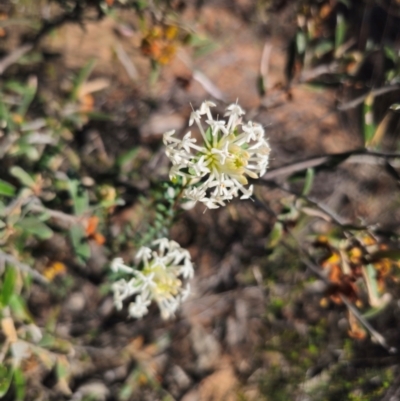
x=96, y=391
x=76, y=302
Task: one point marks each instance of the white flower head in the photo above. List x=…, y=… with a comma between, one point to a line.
x=159, y=276
x=216, y=170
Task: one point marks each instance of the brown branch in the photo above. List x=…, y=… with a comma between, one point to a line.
x=325, y=160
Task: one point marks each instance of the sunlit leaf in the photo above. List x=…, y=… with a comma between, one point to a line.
x=19, y=308
x=23, y=177
x=20, y=384
x=322, y=48
x=34, y=226
x=368, y=120
x=395, y=107
x=63, y=372
x=127, y=157
x=309, y=180
x=6, y=189
x=79, y=242
x=380, y=131
x=275, y=235
x=301, y=42
x=5, y=380
x=80, y=197
x=340, y=32
x=83, y=75
x=8, y=284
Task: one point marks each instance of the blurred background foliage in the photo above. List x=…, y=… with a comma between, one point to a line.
x=83, y=180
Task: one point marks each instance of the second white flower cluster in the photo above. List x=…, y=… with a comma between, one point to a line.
x=160, y=275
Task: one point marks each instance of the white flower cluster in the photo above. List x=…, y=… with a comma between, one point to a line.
x=158, y=276
x=216, y=170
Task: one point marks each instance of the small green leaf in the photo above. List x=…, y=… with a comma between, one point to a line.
x=6, y=189
x=395, y=107
x=23, y=177
x=369, y=124
x=5, y=380
x=80, y=197
x=20, y=384
x=7, y=288
x=209, y=136
x=19, y=308
x=301, y=42
x=340, y=32
x=322, y=48
x=79, y=243
x=390, y=53
x=308, y=183
x=275, y=235
x=34, y=226
x=261, y=85
x=127, y=157
x=83, y=75
x=372, y=282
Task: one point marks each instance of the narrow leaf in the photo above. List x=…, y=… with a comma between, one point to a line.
x=20, y=384
x=83, y=75
x=7, y=288
x=23, y=177
x=34, y=226
x=340, y=32
x=6, y=189
x=80, y=197
x=369, y=125
x=308, y=183
x=5, y=380
x=79, y=243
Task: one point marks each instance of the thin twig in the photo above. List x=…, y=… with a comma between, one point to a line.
x=376, y=92
x=23, y=267
x=14, y=56
x=319, y=161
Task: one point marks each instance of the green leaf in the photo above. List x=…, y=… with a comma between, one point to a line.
x=27, y=91
x=7, y=289
x=372, y=284
x=275, y=235
x=5, y=380
x=261, y=85
x=390, y=53
x=6, y=189
x=340, y=32
x=395, y=107
x=301, y=42
x=83, y=75
x=23, y=177
x=20, y=384
x=19, y=308
x=369, y=125
x=209, y=136
x=310, y=174
x=322, y=48
x=79, y=243
x=127, y=157
x=80, y=197
x=34, y=226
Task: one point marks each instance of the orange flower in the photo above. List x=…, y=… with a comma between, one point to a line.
x=91, y=232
